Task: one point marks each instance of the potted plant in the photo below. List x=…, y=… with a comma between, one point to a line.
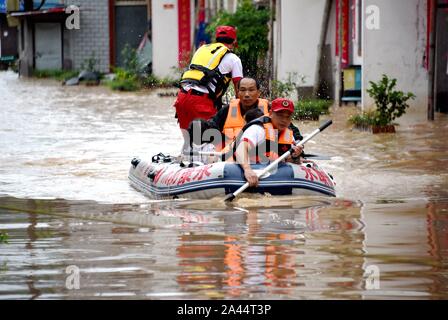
x=311, y=109
x=390, y=105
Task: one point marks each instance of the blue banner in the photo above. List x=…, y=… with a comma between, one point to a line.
x=48, y=4
x=2, y=6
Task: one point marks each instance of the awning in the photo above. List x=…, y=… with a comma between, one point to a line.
x=19, y=14
x=48, y=4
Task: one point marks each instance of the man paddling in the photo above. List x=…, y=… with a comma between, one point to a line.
x=267, y=138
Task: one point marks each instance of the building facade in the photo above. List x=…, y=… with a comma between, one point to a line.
x=176, y=26
x=337, y=47
x=333, y=48
x=69, y=34
x=8, y=39
x=92, y=39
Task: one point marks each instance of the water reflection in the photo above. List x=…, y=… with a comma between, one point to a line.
x=279, y=251
x=438, y=243
x=32, y=237
x=291, y=249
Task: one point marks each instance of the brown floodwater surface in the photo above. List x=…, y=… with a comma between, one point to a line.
x=66, y=204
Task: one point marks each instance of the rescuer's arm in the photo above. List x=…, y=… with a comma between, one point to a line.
x=236, y=81
x=242, y=157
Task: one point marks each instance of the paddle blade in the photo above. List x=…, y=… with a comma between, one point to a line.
x=229, y=197
x=325, y=125
x=316, y=157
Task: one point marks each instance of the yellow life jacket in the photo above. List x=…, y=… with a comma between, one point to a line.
x=235, y=121
x=204, y=69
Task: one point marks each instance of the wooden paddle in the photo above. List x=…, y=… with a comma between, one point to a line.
x=231, y=196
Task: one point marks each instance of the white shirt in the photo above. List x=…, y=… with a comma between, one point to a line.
x=231, y=63
x=255, y=135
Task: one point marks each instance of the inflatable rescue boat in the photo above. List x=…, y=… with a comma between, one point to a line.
x=167, y=178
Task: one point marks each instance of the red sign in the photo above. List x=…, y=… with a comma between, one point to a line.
x=345, y=33
x=182, y=176
x=184, y=22
x=201, y=17
x=343, y=15
x=314, y=174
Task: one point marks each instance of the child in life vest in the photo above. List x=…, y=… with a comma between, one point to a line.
x=201, y=148
x=253, y=114
x=250, y=115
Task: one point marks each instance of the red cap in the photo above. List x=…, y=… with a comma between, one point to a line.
x=226, y=32
x=280, y=104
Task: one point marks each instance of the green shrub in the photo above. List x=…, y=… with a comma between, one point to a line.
x=4, y=237
x=390, y=103
x=124, y=81
x=152, y=81
x=90, y=64
x=124, y=85
x=56, y=74
x=252, y=28
x=168, y=82
x=311, y=109
x=364, y=119
x=130, y=60
x=4, y=266
x=132, y=76
x=129, y=77
x=282, y=89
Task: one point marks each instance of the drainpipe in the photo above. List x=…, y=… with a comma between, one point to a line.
x=431, y=69
x=42, y=2
x=337, y=89
x=112, y=56
x=270, y=57
x=28, y=5
x=149, y=8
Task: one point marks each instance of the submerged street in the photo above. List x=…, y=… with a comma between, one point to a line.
x=65, y=200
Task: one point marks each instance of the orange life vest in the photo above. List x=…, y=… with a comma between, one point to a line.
x=276, y=144
x=284, y=142
x=235, y=120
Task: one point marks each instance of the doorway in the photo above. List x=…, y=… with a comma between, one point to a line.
x=48, y=46
x=131, y=24
x=441, y=59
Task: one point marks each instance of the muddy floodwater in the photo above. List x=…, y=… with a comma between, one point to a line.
x=71, y=227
